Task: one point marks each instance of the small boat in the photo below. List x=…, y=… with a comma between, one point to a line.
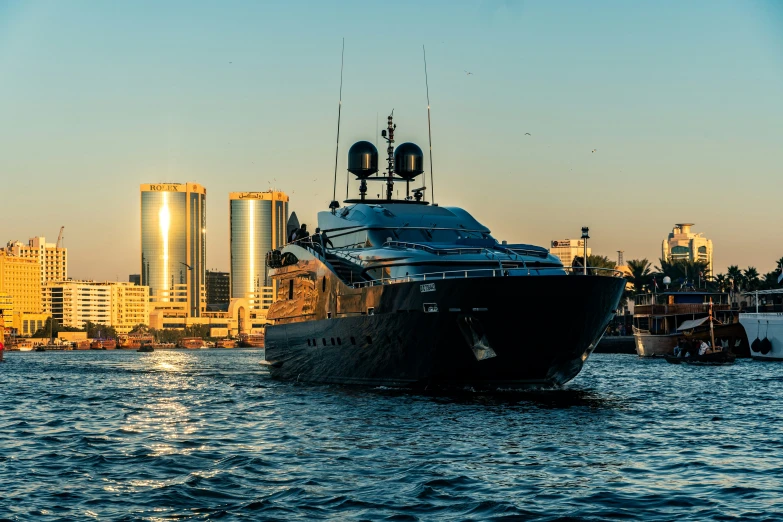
x=705, y=355
x=146, y=348
x=255, y=340
x=40, y=348
x=226, y=343
x=103, y=344
x=191, y=343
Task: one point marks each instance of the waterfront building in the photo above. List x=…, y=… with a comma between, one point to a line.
x=218, y=290
x=20, y=278
x=173, y=245
x=567, y=249
x=257, y=225
x=52, y=258
x=240, y=318
x=6, y=311
x=135, y=279
x=684, y=245
x=130, y=306
x=116, y=304
x=26, y=324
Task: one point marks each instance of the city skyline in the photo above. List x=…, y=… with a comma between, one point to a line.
x=679, y=102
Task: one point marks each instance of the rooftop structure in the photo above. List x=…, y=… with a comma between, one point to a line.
x=684, y=245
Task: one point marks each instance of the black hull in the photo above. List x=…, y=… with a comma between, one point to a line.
x=540, y=330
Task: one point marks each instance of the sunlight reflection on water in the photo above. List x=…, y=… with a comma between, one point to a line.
x=173, y=433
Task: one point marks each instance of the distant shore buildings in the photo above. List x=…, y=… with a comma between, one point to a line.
x=684, y=245
x=117, y=304
x=173, y=289
x=567, y=249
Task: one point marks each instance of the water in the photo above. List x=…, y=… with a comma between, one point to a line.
x=203, y=435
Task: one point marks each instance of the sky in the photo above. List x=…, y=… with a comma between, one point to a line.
x=682, y=103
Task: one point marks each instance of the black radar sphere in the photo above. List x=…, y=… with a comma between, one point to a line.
x=408, y=161
x=363, y=159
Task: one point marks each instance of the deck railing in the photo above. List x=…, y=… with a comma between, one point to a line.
x=488, y=272
x=681, y=308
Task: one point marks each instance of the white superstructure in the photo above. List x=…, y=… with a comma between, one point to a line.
x=764, y=324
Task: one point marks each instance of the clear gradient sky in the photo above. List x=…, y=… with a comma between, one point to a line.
x=682, y=100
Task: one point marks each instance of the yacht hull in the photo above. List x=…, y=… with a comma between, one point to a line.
x=484, y=333
x=764, y=325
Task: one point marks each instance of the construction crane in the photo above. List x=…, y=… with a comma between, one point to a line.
x=60, y=237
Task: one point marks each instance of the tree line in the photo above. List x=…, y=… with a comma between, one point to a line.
x=52, y=327
x=686, y=274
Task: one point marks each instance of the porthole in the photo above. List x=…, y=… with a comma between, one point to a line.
x=353, y=340
x=324, y=340
x=339, y=342
x=308, y=342
x=369, y=340
x=332, y=341
x=323, y=284
x=290, y=289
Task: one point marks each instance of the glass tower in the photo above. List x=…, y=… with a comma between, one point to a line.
x=258, y=221
x=173, y=245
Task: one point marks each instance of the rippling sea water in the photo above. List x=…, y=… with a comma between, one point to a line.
x=201, y=435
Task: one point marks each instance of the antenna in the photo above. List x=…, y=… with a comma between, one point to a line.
x=429, y=125
x=333, y=205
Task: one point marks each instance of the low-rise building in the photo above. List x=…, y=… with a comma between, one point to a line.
x=117, y=304
x=241, y=318
x=567, y=249
x=20, y=279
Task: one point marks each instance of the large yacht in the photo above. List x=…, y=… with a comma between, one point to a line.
x=763, y=322
x=413, y=294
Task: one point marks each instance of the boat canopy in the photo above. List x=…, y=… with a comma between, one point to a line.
x=693, y=323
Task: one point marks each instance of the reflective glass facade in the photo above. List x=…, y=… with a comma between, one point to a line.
x=173, y=242
x=258, y=222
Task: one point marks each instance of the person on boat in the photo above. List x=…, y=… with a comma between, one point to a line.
x=681, y=348
x=320, y=240
x=704, y=348
x=302, y=235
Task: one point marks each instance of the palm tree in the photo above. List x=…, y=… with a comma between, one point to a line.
x=721, y=281
x=641, y=273
x=780, y=265
x=682, y=271
x=751, y=276
x=736, y=279
x=770, y=280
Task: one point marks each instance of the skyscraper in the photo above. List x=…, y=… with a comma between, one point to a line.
x=258, y=225
x=173, y=245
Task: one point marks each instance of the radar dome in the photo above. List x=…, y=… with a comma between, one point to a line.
x=363, y=159
x=408, y=161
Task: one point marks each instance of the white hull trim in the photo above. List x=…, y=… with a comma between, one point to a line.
x=769, y=325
